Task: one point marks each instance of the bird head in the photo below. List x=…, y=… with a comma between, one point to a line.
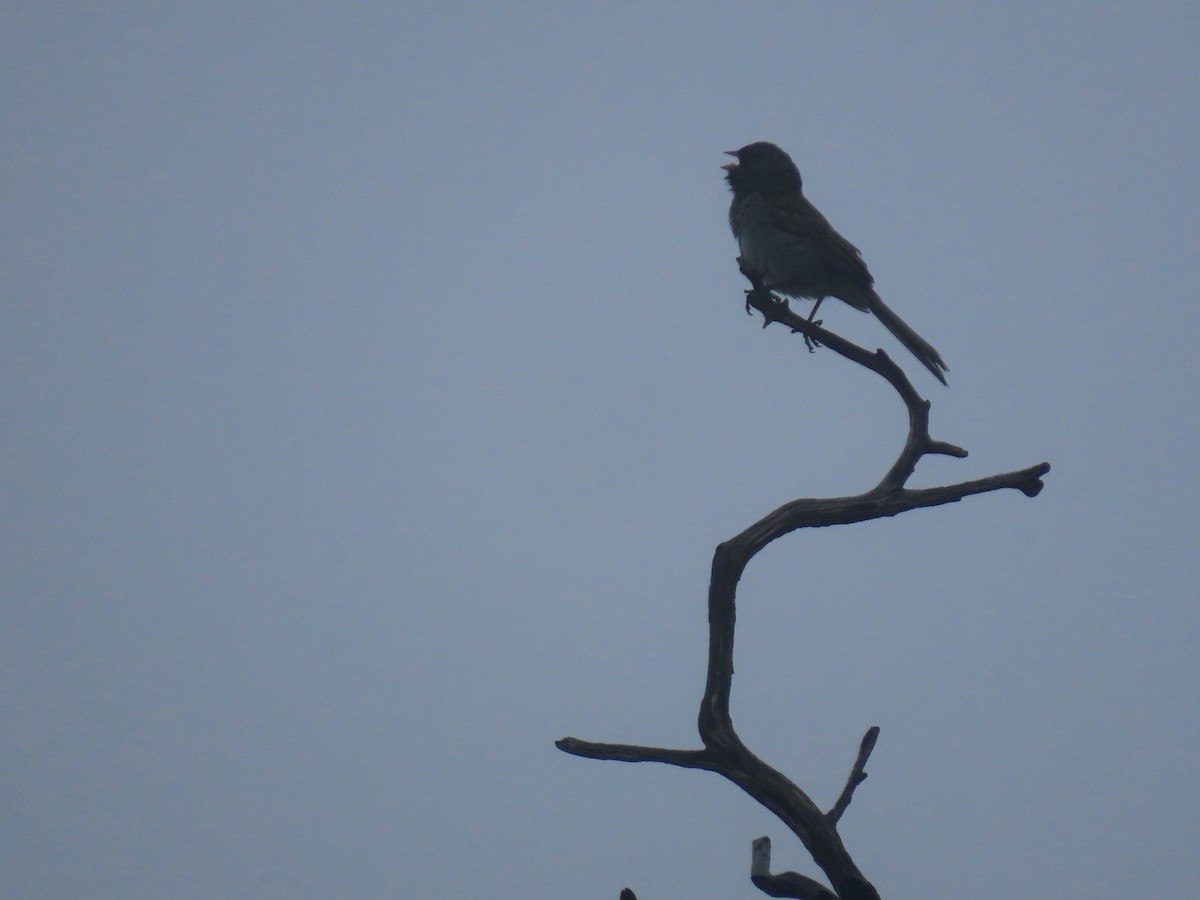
x=762, y=166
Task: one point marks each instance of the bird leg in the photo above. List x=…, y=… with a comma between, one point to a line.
x=809, y=342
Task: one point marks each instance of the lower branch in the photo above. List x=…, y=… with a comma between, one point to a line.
x=688, y=759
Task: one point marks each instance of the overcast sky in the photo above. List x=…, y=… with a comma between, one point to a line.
x=376, y=386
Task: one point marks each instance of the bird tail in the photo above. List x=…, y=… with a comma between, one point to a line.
x=917, y=345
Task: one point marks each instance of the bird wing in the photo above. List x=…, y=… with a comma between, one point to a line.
x=796, y=216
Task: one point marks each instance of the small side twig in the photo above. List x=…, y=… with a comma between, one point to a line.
x=782, y=884
x=858, y=774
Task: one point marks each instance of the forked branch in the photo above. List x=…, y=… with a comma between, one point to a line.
x=723, y=751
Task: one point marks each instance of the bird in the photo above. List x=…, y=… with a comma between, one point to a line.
x=786, y=241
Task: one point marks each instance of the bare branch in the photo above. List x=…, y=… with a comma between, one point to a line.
x=723, y=751
x=784, y=884
x=857, y=774
x=688, y=759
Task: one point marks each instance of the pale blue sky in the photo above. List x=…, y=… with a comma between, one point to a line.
x=376, y=387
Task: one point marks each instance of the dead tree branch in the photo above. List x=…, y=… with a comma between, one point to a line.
x=723, y=751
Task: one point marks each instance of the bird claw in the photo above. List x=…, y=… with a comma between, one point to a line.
x=810, y=342
x=773, y=309
x=773, y=300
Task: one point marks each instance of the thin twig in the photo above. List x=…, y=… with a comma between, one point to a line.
x=858, y=774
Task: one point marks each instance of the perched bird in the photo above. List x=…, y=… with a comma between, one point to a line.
x=795, y=250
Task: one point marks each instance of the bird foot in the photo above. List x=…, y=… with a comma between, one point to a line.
x=770, y=305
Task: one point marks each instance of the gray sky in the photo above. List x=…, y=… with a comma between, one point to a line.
x=376, y=387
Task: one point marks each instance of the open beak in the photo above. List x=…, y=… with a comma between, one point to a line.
x=729, y=167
